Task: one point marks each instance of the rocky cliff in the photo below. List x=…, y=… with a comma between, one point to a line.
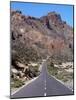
x=34, y=38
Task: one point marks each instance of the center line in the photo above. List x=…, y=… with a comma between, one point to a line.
x=45, y=88
x=44, y=94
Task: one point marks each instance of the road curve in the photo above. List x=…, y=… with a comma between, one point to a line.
x=44, y=85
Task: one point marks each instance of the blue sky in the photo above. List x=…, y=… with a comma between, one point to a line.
x=38, y=10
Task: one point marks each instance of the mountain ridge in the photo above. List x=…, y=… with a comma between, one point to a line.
x=47, y=35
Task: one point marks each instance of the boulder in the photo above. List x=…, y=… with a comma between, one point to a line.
x=20, y=65
x=21, y=74
x=14, y=71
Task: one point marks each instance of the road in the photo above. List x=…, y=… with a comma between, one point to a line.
x=44, y=85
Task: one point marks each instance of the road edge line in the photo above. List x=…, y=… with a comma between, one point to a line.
x=61, y=82
x=27, y=83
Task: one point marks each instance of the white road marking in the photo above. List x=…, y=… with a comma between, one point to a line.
x=45, y=84
x=60, y=82
x=45, y=88
x=29, y=82
x=44, y=94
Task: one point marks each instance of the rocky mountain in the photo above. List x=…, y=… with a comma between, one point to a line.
x=35, y=38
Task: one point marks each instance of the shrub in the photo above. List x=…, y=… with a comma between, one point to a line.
x=17, y=83
x=52, y=64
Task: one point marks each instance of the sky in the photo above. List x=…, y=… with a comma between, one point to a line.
x=42, y=9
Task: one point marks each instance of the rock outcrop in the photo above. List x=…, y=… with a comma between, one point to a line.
x=46, y=35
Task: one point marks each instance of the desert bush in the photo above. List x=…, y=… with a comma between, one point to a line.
x=51, y=64
x=17, y=83
x=25, y=54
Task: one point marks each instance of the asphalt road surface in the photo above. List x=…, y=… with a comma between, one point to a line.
x=44, y=85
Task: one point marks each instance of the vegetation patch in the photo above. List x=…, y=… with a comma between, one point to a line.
x=52, y=70
x=59, y=73
x=16, y=83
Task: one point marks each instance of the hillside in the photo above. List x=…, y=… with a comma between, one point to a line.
x=47, y=35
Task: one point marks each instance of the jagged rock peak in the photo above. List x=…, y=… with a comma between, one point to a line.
x=54, y=15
